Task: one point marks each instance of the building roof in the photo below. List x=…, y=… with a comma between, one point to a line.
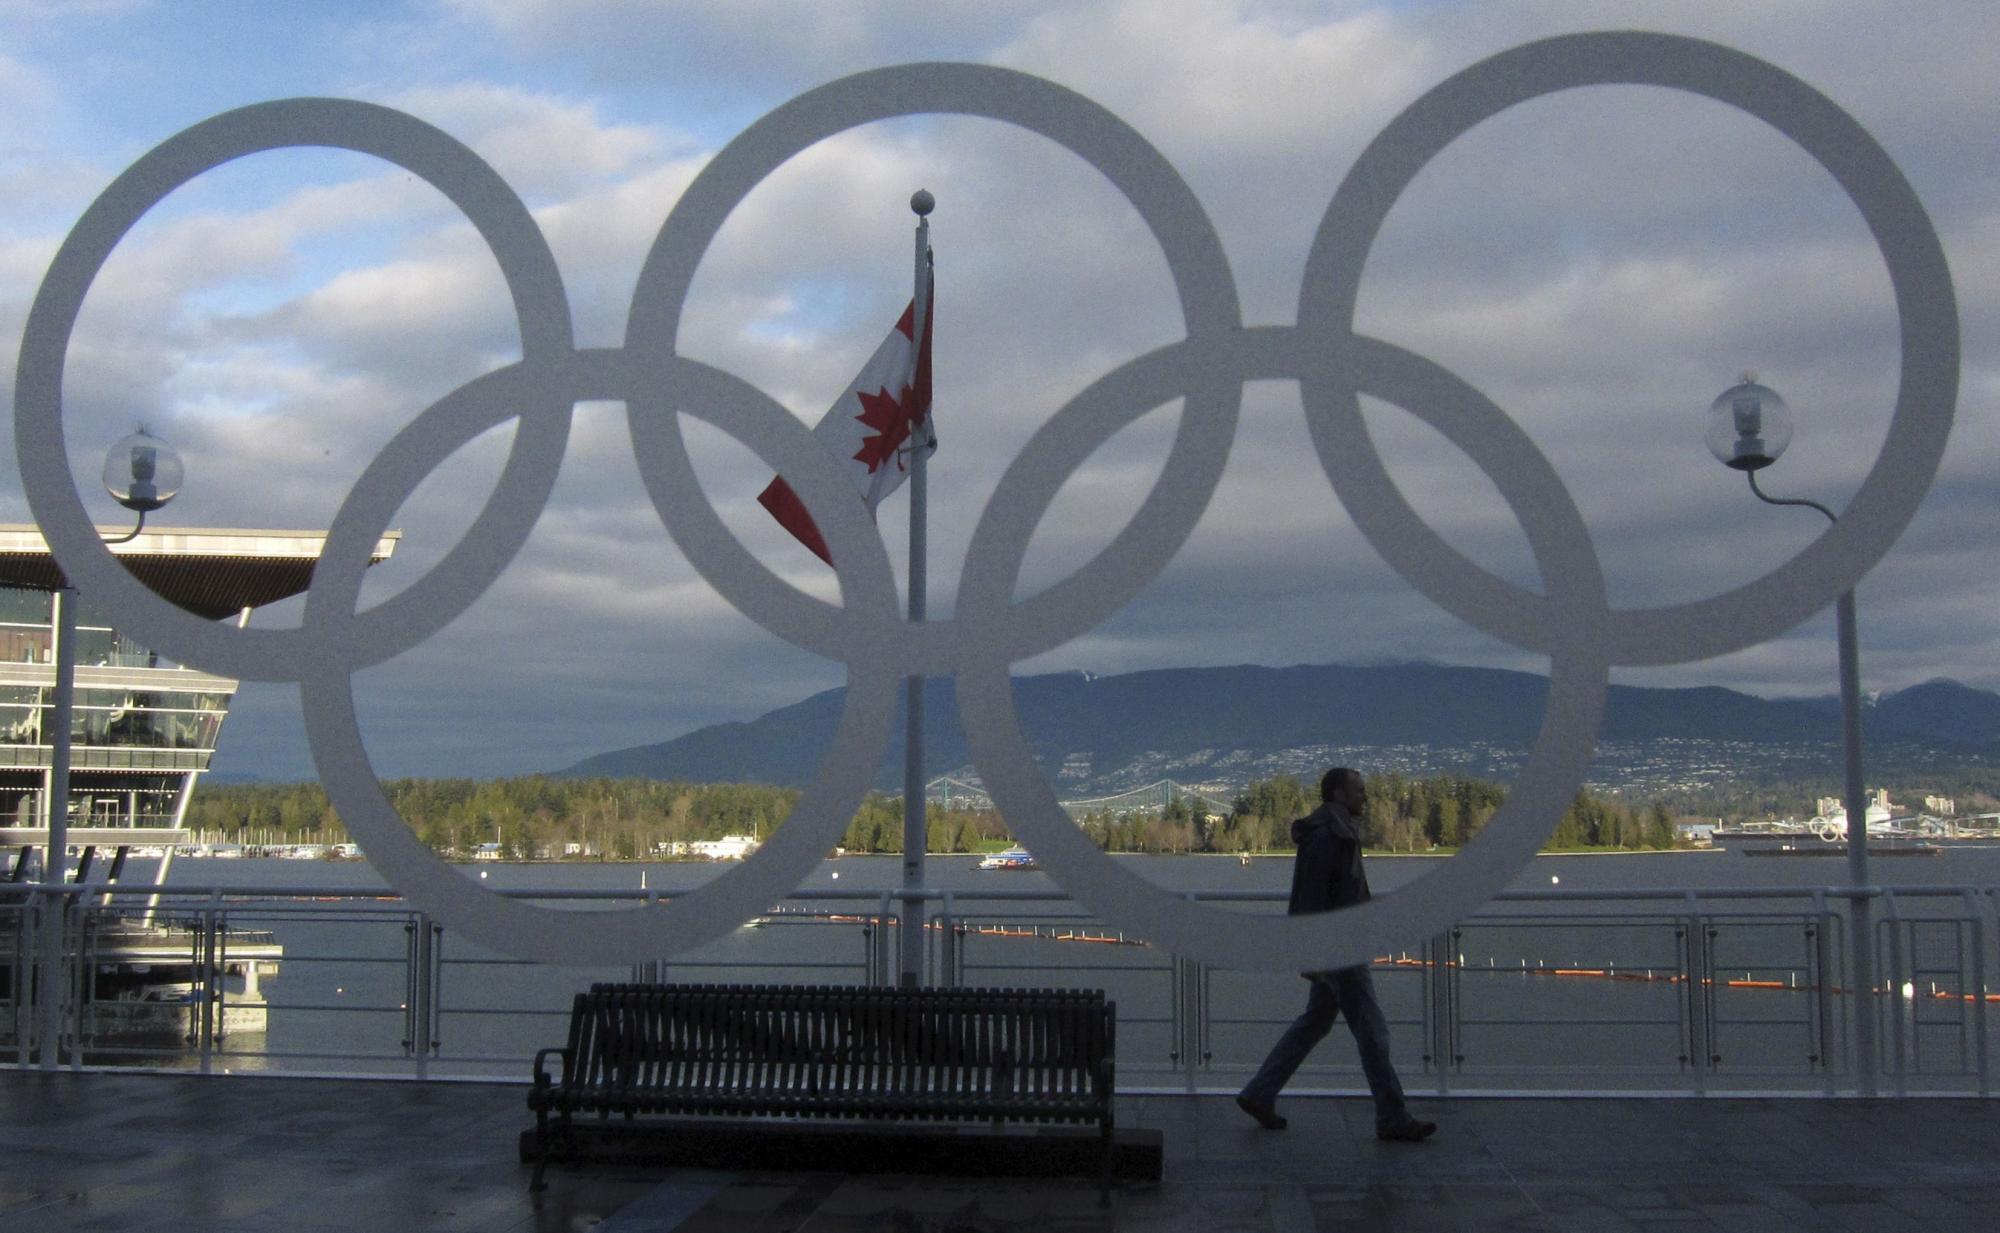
x=213, y=573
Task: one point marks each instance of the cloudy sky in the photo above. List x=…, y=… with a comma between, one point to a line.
x=1600, y=263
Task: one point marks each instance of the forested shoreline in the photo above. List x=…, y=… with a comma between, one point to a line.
x=542, y=817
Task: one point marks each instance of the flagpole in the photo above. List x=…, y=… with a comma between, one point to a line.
x=915, y=839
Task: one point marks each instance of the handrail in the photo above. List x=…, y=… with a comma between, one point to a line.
x=1752, y=961
x=1217, y=895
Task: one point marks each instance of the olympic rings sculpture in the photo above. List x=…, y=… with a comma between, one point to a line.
x=1571, y=622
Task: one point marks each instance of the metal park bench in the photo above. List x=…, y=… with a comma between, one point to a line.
x=667, y=1053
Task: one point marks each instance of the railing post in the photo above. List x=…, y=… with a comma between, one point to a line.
x=881, y=952
x=1819, y=988
x=27, y=945
x=420, y=991
x=1684, y=971
x=1891, y=927
x=1187, y=1011
x=1711, y=1003
x=204, y=989
x=1191, y=1016
x=434, y=999
x=77, y=970
x=1980, y=908
x=48, y=981
x=948, y=942
x=1440, y=977
x=1454, y=1039
x=1203, y=1042
x=219, y=980
x=75, y=973
x=1430, y=954
x=410, y=998
x=647, y=971
x=1695, y=977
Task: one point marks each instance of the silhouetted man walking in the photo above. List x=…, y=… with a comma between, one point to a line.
x=1327, y=874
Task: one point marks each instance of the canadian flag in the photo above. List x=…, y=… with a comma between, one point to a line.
x=871, y=425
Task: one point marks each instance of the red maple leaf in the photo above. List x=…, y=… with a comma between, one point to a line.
x=882, y=412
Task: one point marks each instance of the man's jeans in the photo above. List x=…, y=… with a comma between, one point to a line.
x=1350, y=992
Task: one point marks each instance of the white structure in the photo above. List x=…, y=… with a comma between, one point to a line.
x=727, y=848
x=143, y=729
x=1832, y=811
x=1835, y=821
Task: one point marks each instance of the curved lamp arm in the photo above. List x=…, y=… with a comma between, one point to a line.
x=1768, y=500
x=134, y=532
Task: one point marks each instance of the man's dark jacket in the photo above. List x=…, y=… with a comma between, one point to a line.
x=1327, y=872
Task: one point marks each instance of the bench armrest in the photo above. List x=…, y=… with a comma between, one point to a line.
x=541, y=1076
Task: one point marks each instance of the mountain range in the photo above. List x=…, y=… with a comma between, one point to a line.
x=1220, y=728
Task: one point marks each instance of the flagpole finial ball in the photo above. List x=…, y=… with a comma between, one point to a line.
x=922, y=202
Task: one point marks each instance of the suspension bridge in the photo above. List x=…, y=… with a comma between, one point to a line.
x=1151, y=798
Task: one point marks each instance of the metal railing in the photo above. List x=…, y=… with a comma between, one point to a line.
x=1684, y=992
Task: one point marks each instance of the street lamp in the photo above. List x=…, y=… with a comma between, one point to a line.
x=142, y=473
x=1749, y=426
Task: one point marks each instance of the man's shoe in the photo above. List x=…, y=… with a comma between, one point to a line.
x=1415, y=1130
x=1267, y=1117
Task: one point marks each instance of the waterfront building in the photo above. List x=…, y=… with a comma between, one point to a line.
x=143, y=728
x=727, y=848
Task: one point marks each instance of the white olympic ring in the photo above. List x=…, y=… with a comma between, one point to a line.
x=1572, y=623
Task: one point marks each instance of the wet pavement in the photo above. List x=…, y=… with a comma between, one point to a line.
x=109, y=1152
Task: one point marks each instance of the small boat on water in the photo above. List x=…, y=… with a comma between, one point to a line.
x=1012, y=858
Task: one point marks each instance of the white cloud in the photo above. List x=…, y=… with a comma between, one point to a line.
x=1600, y=264
x=742, y=48
x=540, y=144
x=1231, y=78
x=41, y=10
x=24, y=92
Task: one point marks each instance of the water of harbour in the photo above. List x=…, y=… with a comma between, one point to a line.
x=337, y=1003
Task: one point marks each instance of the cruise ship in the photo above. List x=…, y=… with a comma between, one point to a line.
x=142, y=732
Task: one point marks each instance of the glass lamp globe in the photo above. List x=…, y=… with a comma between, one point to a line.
x=143, y=472
x=1748, y=426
